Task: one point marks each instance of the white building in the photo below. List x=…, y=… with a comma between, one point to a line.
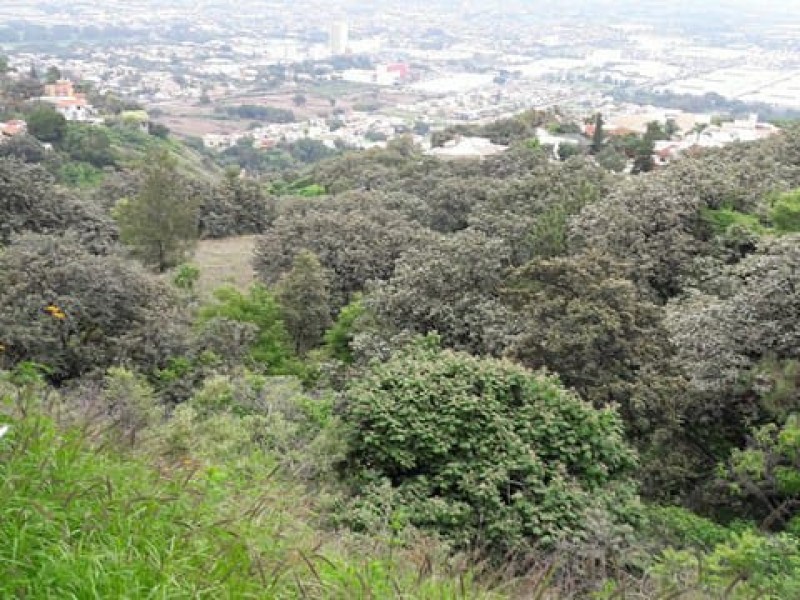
x=339, y=37
x=467, y=147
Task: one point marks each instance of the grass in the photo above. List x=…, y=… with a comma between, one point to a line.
x=224, y=261
x=83, y=518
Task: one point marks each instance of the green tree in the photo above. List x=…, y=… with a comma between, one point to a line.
x=785, y=212
x=568, y=150
x=25, y=148
x=355, y=236
x=531, y=211
x=160, y=223
x=768, y=472
x=481, y=451
x=610, y=159
x=655, y=131
x=53, y=74
x=340, y=335
x=598, y=136
x=449, y=285
x=271, y=345
x=30, y=202
x=236, y=206
x=671, y=128
x=643, y=157
x=46, y=125
x=583, y=319
x=738, y=346
x=158, y=130
x=650, y=222
x=304, y=296
x=308, y=151
x=90, y=144
x=75, y=311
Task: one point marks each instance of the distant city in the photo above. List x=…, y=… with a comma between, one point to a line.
x=352, y=74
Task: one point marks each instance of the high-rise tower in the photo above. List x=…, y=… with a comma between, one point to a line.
x=339, y=37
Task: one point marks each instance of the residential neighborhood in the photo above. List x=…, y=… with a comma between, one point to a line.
x=352, y=78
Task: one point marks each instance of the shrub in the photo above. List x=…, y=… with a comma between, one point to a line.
x=785, y=213
x=722, y=220
x=481, y=451
x=272, y=346
x=76, y=312
x=29, y=202
x=338, y=337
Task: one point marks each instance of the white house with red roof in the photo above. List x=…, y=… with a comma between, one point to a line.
x=63, y=97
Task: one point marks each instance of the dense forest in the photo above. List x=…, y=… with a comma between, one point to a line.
x=507, y=378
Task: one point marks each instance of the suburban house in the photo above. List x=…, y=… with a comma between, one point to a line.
x=63, y=97
x=467, y=147
x=713, y=136
x=556, y=141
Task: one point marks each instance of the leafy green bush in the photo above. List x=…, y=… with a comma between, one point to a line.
x=272, y=346
x=767, y=472
x=785, y=213
x=80, y=175
x=682, y=528
x=90, y=144
x=748, y=565
x=338, y=337
x=482, y=451
x=722, y=220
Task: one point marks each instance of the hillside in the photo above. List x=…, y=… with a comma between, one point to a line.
x=515, y=377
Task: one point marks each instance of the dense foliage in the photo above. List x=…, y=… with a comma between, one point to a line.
x=482, y=451
x=566, y=377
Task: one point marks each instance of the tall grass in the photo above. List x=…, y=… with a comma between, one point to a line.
x=77, y=521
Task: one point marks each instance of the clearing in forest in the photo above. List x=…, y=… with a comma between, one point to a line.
x=224, y=261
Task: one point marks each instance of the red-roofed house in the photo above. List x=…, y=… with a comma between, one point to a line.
x=74, y=106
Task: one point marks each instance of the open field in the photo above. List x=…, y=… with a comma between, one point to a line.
x=224, y=261
x=190, y=119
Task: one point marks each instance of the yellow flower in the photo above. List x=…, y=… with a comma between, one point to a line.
x=55, y=312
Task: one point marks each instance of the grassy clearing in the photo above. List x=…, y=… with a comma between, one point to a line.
x=224, y=261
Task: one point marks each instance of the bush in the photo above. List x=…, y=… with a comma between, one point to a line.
x=76, y=312
x=785, y=213
x=723, y=220
x=272, y=346
x=90, y=144
x=46, y=125
x=481, y=451
x=748, y=565
x=80, y=175
x=268, y=114
x=29, y=202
